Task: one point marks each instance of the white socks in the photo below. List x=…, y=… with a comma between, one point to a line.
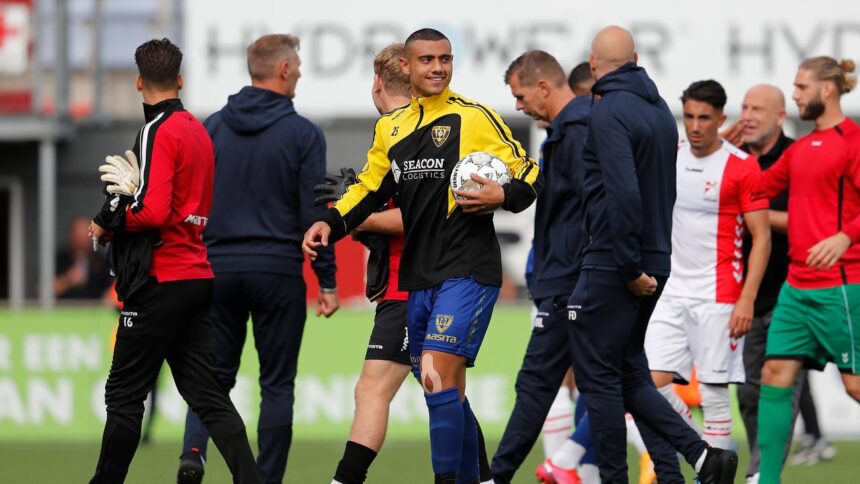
x=683, y=410
x=589, y=473
x=568, y=455
x=633, y=436
x=717, y=430
x=558, y=423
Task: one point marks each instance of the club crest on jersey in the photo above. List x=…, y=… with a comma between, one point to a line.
x=443, y=322
x=712, y=191
x=440, y=135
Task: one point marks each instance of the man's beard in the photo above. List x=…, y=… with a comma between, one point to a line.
x=813, y=110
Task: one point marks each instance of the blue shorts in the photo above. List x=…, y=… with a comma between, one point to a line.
x=451, y=317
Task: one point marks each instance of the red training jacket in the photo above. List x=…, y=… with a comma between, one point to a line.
x=821, y=172
x=177, y=167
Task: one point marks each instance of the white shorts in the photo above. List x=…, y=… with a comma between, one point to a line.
x=685, y=332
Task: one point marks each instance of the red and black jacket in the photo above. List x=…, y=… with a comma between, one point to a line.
x=158, y=231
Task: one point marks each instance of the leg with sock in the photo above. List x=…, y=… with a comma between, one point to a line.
x=679, y=406
x=748, y=393
x=446, y=432
x=717, y=430
x=544, y=365
x=353, y=466
x=572, y=450
x=376, y=387
x=558, y=423
x=647, y=474
x=662, y=428
x=483, y=461
x=775, y=416
x=588, y=471
x=469, y=469
x=774, y=423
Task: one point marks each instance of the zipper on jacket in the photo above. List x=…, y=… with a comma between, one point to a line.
x=420, y=116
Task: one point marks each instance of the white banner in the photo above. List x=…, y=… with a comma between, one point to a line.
x=14, y=38
x=739, y=43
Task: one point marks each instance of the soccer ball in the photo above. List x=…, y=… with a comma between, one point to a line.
x=482, y=164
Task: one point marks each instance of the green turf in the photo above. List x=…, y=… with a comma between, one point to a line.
x=315, y=453
x=314, y=462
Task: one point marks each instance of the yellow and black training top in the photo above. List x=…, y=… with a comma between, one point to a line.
x=415, y=148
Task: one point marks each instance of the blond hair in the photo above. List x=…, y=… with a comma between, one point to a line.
x=827, y=69
x=267, y=51
x=386, y=65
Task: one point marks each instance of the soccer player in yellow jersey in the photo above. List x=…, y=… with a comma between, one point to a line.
x=451, y=262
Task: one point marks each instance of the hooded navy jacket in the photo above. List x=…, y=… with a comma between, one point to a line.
x=629, y=179
x=559, y=236
x=267, y=161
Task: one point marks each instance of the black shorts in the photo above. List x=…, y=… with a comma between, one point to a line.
x=388, y=340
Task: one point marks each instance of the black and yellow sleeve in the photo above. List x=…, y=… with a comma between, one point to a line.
x=493, y=136
x=374, y=187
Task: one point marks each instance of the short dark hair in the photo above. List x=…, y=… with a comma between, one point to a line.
x=580, y=74
x=425, y=34
x=534, y=65
x=709, y=91
x=158, y=62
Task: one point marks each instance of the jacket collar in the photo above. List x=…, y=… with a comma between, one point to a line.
x=577, y=110
x=767, y=159
x=150, y=111
x=431, y=103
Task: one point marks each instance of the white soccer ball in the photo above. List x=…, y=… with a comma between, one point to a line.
x=482, y=164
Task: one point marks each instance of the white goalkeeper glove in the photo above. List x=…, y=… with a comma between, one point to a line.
x=121, y=174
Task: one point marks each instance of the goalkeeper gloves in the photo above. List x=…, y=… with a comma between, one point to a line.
x=122, y=175
x=335, y=186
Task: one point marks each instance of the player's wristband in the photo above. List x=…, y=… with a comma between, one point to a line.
x=326, y=290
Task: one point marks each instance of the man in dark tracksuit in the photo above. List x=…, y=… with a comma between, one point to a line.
x=267, y=161
x=629, y=192
x=154, y=218
x=558, y=241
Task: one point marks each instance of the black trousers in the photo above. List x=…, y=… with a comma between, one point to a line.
x=168, y=321
x=607, y=348
x=277, y=307
x=544, y=365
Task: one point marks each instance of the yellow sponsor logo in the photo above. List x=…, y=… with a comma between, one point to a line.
x=440, y=134
x=444, y=338
x=443, y=322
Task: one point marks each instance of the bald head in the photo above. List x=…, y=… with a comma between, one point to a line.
x=611, y=48
x=767, y=94
x=762, y=115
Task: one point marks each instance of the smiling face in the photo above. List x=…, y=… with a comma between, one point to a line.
x=429, y=64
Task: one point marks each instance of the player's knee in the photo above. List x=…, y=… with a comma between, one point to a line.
x=431, y=380
x=852, y=387
x=777, y=373
x=373, y=388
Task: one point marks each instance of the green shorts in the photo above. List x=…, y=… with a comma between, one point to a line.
x=817, y=326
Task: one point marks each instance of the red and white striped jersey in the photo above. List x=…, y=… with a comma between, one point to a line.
x=707, y=222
